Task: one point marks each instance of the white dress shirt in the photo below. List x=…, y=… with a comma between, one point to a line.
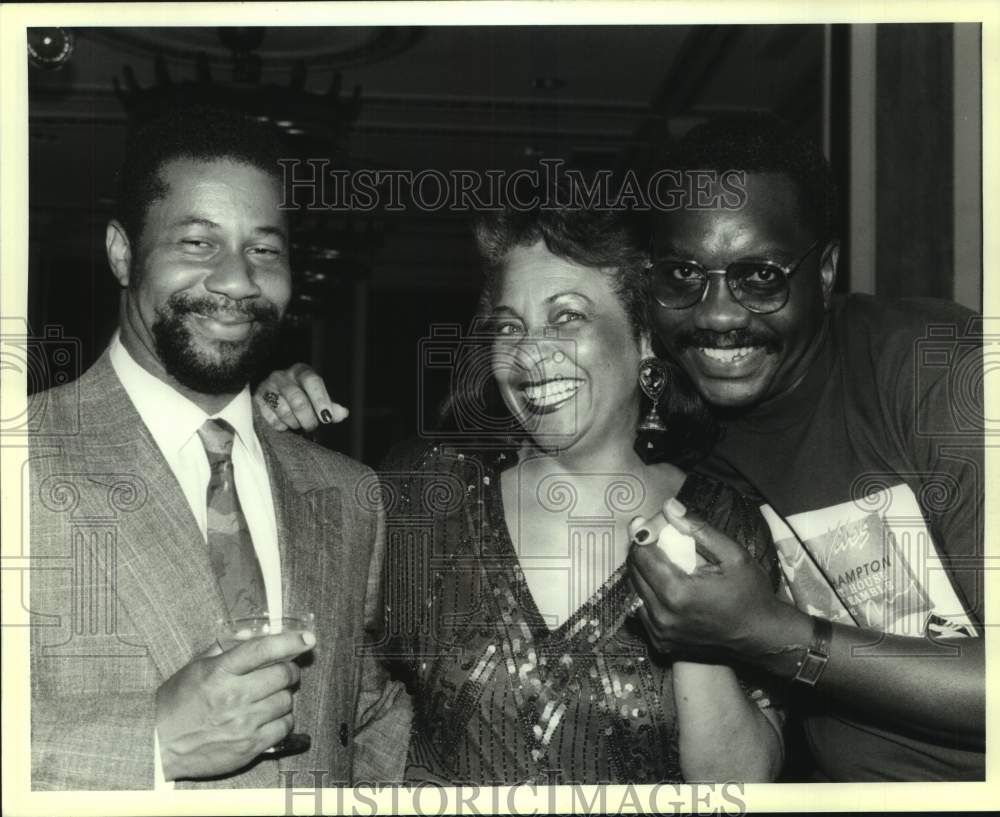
x=173, y=421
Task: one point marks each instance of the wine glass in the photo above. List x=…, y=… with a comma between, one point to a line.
x=233, y=631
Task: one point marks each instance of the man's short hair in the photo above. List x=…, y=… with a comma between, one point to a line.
x=187, y=132
x=762, y=143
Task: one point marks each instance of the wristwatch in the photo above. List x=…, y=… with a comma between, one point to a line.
x=811, y=667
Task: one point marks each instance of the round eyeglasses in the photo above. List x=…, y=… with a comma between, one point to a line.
x=759, y=286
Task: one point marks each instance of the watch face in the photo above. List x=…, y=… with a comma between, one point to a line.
x=811, y=668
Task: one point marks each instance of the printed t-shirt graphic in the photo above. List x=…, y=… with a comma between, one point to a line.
x=870, y=562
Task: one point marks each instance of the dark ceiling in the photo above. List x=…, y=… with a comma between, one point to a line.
x=443, y=98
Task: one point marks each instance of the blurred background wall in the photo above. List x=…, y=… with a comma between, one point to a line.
x=896, y=107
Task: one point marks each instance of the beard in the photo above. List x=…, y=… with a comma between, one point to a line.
x=219, y=366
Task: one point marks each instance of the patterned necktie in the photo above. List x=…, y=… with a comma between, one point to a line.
x=230, y=547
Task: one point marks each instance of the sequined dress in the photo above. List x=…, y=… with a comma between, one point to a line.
x=499, y=697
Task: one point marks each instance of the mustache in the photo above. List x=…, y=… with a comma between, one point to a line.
x=260, y=311
x=703, y=338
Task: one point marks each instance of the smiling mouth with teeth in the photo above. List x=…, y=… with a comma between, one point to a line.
x=551, y=392
x=732, y=355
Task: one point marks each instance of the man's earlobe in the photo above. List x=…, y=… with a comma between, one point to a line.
x=119, y=251
x=828, y=270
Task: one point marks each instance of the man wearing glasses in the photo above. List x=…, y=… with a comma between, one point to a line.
x=849, y=417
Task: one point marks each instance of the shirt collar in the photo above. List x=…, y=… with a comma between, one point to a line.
x=239, y=414
x=171, y=417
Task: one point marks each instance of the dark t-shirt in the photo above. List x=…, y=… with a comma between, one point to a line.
x=870, y=474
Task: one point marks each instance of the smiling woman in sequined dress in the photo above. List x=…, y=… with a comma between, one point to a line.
x=506, y=583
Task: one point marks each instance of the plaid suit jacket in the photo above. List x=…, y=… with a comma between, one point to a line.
x=123, y=596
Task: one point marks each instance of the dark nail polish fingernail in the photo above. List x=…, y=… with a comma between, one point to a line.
x=326, y=416
x=641, y=535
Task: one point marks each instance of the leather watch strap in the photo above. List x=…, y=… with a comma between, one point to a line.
x=811, y=667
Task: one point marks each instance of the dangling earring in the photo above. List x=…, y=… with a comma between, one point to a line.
x=653, y=382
